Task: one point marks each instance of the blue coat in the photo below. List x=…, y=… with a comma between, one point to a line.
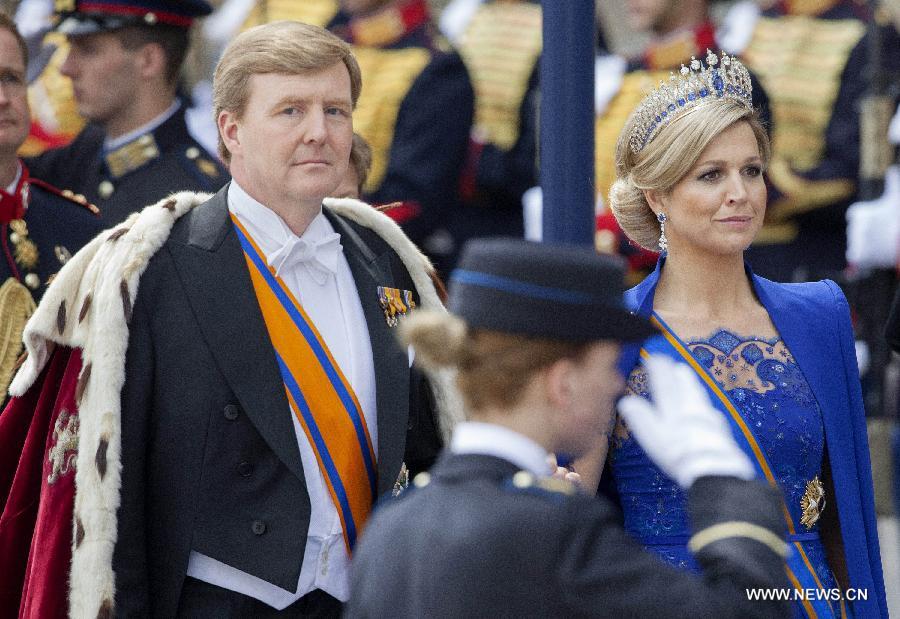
x=813, y=319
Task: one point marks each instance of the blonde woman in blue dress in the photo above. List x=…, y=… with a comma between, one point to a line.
x=777, y=359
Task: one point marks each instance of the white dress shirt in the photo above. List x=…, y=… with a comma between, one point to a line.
x=488, y=439
x=335, y=309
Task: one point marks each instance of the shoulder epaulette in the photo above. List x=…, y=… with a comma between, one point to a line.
x=67, y=194
x=202, y=163
x=526, y=482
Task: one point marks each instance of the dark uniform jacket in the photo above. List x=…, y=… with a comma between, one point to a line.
x=480, y=541
x=57, y=224
x=32, y=249
x=204, y=403
x=145, y=170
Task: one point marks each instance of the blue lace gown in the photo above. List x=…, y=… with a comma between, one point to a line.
x=775, y=401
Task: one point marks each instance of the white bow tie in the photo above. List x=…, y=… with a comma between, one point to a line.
x=319, y=257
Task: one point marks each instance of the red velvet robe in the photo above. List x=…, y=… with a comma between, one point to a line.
x=35, y=513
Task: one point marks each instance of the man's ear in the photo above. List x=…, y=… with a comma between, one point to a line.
x=152, y=61
x=228, y=124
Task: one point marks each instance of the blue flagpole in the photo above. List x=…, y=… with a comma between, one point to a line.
x=567, y=121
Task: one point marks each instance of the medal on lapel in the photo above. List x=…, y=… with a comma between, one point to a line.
x=395, y=303
x=402, y=482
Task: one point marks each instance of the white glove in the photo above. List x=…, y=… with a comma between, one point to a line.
x=681, y=431
x=873, y=227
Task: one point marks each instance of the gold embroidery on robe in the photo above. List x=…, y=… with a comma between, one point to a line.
x=64, y=452
x=25, y=251
x=801, y=194
x=675, y=52
x=799, y=61
x=132, y=155
x=809, y=7
x=607, y=126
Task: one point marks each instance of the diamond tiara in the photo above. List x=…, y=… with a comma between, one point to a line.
x=721, y=78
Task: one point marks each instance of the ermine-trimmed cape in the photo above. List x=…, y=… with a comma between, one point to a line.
x=88, y=307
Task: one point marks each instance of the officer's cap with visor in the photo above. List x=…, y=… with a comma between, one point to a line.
x=81, y=17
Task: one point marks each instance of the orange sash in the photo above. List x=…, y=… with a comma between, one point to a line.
x=319, y=394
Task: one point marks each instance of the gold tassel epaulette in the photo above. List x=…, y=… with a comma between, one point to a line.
x=68, y=194
x=523, y=480
x=500, y=48
x=16, y=307
x=390, y=75
x=314, y=12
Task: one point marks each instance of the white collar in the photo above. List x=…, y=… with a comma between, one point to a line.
x=265, y=226
x=11, y=188
x=474, y=437
x=122, y=140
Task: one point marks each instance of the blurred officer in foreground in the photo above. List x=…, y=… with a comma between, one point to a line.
x=124, y=63
x=488, y=533
x=40, y=226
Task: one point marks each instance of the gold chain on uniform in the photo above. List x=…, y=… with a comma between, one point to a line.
x=25, y=252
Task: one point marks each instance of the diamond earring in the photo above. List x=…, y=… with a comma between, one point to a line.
x=663, y=241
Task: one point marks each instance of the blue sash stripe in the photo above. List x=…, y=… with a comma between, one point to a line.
x=327, y=462
x=682, y=540
x=320, y=354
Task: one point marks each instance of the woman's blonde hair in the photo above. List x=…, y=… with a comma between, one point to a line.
x=493, y=368
x=285, y=47
x=667, y=158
